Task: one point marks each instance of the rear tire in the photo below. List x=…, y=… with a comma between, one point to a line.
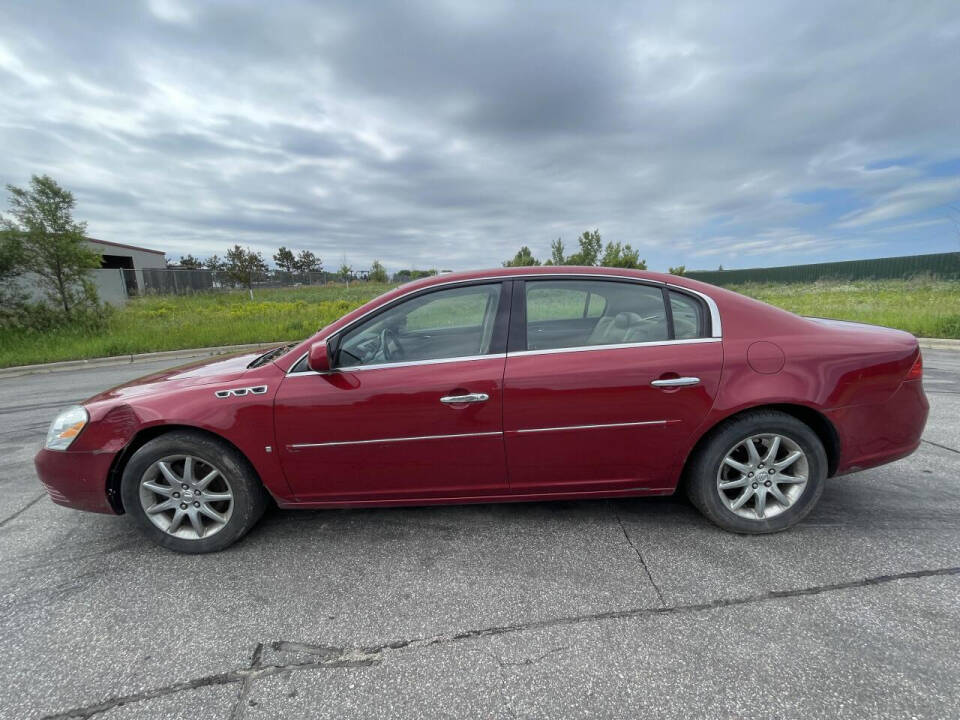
x=767, y=489
x=190, y=492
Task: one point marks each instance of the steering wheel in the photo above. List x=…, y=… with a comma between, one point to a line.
x=388, y=337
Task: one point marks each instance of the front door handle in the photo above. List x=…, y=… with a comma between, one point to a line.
x=676, y=382
x=468, y=398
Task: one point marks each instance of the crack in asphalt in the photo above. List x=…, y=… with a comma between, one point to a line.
x=663, y=603
x=239, y=706
x=347, y=658
x=942, y=447
x=22, y=510
x=324, y=656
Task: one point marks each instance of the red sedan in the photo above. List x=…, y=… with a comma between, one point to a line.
x=508, y=385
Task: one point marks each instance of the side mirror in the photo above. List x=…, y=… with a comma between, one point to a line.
x=319, y=357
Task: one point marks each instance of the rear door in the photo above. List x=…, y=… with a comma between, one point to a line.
x=600, y=400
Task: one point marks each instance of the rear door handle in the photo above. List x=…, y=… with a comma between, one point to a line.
x=676, y=382
x=468, y=398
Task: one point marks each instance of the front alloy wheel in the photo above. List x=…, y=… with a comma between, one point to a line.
x=192, y=492
x=186, y=496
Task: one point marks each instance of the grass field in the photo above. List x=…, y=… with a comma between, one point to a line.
x=169, y=322
x=927, y=308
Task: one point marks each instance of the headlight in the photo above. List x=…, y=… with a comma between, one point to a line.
x=65, y=427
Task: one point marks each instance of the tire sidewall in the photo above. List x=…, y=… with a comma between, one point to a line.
x=703, y=483
x=248, y=494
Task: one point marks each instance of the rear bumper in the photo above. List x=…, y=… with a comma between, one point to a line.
x=76, y=479
x=876, y=434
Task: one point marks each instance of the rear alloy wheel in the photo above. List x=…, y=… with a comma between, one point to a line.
x=757, y=473
x=762, y=476
x=191, y=492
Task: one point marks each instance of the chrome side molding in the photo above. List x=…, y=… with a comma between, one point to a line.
x=377, y=441
x=591, y=427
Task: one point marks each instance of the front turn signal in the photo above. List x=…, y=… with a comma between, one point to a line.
x=65, y=427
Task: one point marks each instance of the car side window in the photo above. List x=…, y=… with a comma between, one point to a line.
x=582, y=313
x=559, y=303
x=450, y=323
x=687, y=316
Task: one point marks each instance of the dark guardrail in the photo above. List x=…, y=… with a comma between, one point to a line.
x=945, y=266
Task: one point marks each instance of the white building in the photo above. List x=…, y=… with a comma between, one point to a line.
x=120, y=274
x=115, y=281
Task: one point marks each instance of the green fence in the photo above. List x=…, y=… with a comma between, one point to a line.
x=945, y=266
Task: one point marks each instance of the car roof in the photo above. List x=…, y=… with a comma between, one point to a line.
x=553, y=270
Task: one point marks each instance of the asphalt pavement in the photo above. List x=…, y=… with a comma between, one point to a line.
x=625, y=608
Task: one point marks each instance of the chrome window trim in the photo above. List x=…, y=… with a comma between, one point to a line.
x=591, y=427
x=300, y=446
x=716, y=332
x=617, y=346
x=716, y=329
x=410, y=363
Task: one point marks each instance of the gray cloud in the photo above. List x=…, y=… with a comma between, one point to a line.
x=447, y=134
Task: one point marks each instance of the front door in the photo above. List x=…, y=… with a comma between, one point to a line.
x=604, y=386
x=412, y=408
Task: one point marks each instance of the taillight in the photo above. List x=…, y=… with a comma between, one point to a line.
x=916, y=372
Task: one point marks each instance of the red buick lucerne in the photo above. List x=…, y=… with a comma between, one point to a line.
x=498, y=386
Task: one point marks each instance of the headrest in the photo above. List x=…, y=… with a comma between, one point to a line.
x=626, y=319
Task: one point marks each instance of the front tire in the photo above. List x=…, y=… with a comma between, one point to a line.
x=191, y=492
x=760, y=472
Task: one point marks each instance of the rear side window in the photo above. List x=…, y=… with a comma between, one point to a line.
x=688, y=320
x=553, y=301
x=582, y=313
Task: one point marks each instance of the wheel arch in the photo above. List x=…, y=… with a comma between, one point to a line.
x=141, y=438
x=812, y=418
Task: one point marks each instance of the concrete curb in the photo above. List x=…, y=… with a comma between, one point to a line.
x=67, y=365
x=939, y=344
x=925, y=343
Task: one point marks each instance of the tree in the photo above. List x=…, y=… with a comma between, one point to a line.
x=556, y=253
x=243, y=264
x=404, y=276
x=523, y=258
x=622, y=256
x=590, y=247
x=307, y=262
x=378, y=273
x=345, y=272
x=190, y=262
x=678, y=270
x=11, y=267
x=214, y=263
x=285, y=259
x=51, y=244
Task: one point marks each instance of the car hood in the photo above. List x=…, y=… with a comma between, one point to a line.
x=222, y=368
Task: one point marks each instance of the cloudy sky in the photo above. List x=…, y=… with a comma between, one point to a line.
x=447, y=134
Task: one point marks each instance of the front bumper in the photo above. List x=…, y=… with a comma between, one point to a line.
x=75, y=478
